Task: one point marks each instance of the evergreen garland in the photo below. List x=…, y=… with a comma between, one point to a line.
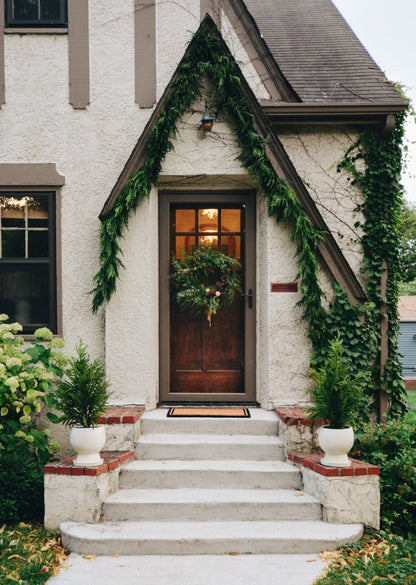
x=208, y=56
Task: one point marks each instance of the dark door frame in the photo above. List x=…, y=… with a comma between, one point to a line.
x=248, y=199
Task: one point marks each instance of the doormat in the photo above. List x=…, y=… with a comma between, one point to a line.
x=210, y=412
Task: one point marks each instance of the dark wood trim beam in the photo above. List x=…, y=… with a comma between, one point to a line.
x=78, y=54
x=2, y=65
x=145, y=52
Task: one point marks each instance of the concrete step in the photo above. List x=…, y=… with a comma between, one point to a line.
x=198, y=446
x=210, y=504
x=261, y=422
x=210, y=474
x=195, y=538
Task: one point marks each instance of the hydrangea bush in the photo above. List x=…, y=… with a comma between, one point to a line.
x=26, y=374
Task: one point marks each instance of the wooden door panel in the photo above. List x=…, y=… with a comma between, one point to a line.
x=198, y=361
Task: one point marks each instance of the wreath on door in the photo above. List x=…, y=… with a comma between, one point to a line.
x=205, y=281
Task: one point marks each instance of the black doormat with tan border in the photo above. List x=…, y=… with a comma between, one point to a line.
x=209, y=412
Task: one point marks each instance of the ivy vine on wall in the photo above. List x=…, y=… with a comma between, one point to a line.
x=379, y=181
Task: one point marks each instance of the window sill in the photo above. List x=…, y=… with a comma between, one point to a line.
x=27, y=30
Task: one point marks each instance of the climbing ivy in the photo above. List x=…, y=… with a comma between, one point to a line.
x=208, y=57
x=379, y=180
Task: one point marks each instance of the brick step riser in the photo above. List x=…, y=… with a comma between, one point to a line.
x=209, y=426
x=223, y=511
x=209, y=451
x=210, y=479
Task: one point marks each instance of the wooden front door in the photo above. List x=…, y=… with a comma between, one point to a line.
x=203, y=361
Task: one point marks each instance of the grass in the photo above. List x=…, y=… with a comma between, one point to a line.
x=29, y=554
x=374, y=560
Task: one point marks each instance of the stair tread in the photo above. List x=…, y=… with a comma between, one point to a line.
x=211, y=530
x=210, y=465
x=256, y=414
x=206, y=496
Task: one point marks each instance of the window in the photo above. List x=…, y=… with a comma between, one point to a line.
x=27, y=259
x=32, y=13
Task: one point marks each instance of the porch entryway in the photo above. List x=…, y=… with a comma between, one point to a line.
x=208, y=359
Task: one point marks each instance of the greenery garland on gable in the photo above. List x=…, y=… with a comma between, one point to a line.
x=208, y=57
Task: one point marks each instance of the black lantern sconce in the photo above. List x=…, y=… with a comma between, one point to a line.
x=207, y=121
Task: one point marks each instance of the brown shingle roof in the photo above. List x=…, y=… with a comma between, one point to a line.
x=318, y=52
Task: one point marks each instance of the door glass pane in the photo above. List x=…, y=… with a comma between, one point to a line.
x=209, y=241
x=231, y=245
x=208, y=220
x=185, y=220
x=231, y=220
x=184, y=244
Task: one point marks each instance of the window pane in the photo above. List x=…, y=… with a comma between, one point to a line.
x=24, y=293
x=38, y=244
x=25, y=10
x=13, y=243
x=50, y=10
x=12, y=215
x=37, y=212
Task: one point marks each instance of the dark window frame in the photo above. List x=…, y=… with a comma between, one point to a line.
x=50, y=261
x=60, y=22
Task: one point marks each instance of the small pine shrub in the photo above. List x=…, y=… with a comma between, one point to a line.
x=392, y=446
x=21, y=487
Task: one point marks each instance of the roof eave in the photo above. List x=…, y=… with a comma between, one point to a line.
x=337, y=112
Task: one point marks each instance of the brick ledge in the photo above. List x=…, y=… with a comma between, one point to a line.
x=112, y=460
x=127, y=415
x=293, y=416
x=313, y=461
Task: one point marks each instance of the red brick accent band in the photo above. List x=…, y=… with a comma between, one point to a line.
x=314, y=462
x=293, y=416
x=114, y=416
x=112, y=459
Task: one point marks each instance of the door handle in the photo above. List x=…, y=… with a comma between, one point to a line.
x=249, y=295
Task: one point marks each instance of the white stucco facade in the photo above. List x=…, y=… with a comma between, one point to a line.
x=90, y=147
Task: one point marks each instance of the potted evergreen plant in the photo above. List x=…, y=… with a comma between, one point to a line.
x=81, y=398
x=337, y=395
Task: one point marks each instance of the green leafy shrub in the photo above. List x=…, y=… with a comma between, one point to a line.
x=25, y=377
x=392, y=446
x=337, y=393
x=82, y=396
x=21, y=487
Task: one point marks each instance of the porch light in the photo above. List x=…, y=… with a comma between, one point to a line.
x=207, y=120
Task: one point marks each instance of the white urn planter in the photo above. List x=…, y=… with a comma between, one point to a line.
x=87, y=443
x=336, y=444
